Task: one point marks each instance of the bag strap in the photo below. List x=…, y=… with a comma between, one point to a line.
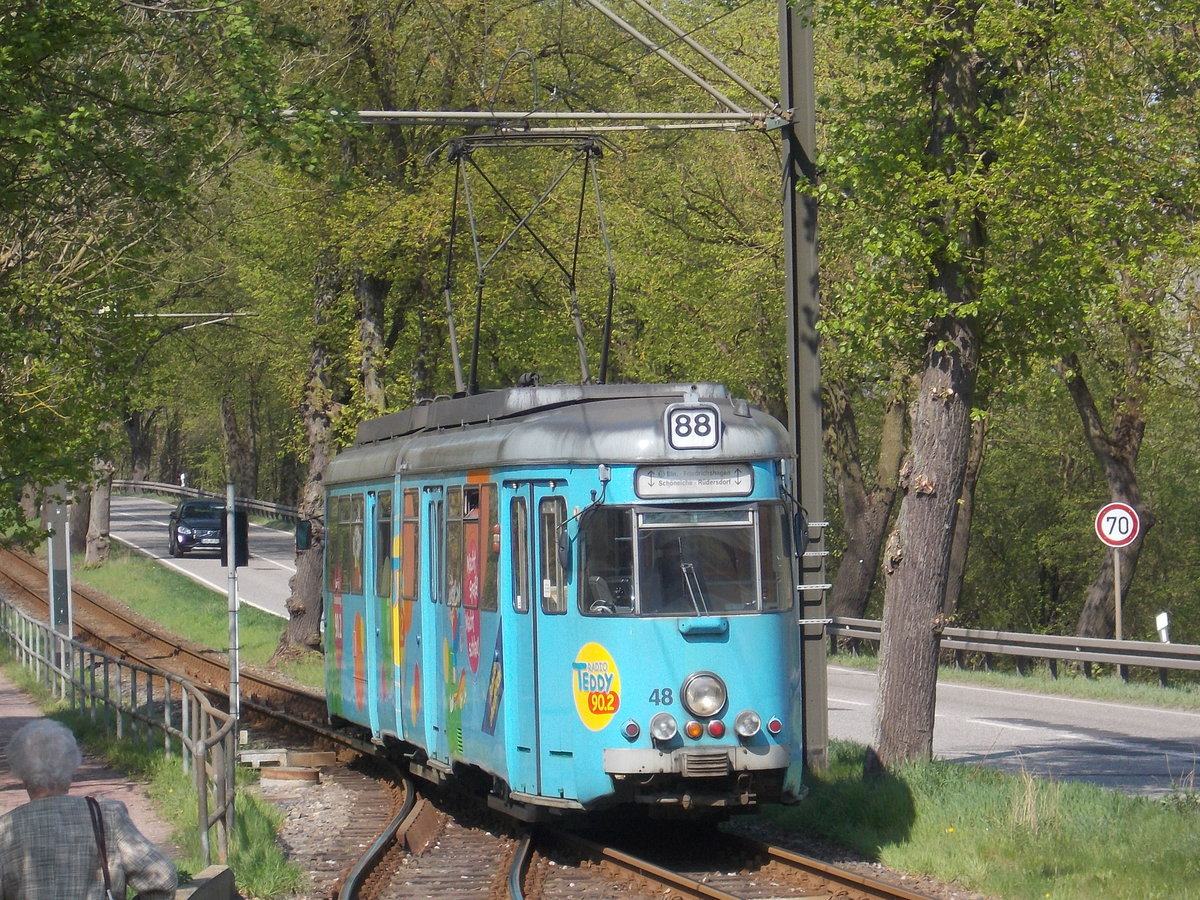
x=98, y=828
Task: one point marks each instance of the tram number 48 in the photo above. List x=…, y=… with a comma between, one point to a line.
x=662, y=697
x=693, y=427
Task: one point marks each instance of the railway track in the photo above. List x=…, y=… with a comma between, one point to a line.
x=377, y=838
x=108, y=625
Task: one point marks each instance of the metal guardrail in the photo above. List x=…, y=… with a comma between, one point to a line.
x=134, y=701
x=1041, y=646
x=271, y=510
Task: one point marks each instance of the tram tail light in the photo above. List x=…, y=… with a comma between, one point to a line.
x=716, y=729
x=774, y=726
x=631, y=730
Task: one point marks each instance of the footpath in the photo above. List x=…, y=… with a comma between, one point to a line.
x=96, y=778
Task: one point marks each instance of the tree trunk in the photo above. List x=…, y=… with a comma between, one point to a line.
x=918, y=552
x=318, y=409
x=140, y=431
x=1117, y=453
x=422, y=366
x=866, y=509
x=98, y=539
x=81, y=513
x=962, y=522
x=371, y=291
x=238, y=452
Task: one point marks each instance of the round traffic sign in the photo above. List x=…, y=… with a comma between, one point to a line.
x=1117, y=524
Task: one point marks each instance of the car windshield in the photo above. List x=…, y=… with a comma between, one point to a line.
x=202, y=509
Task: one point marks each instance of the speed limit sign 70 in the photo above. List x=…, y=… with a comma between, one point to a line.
x=1117, y=524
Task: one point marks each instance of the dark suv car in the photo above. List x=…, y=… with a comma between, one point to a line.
x=196, y=525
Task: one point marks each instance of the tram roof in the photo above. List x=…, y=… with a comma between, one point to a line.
x=553, y=424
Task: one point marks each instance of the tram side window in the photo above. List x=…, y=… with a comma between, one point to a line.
x=488, y=525
x=454, y=545
x=519, y=549
x=333, y=544
x=410, y=536
x=471, y=552
x=383, y=544
x=552, y=518
x=606, y=561
x=345, y=526
x=776, y=549
x=437, y=551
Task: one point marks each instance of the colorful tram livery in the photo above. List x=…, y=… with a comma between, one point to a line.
x=571, y=597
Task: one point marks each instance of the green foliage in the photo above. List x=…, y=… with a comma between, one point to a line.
x=110, y=117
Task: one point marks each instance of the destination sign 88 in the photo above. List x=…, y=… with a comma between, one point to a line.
x=693, y=426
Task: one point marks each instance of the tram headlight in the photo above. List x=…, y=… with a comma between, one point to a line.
x=747, y=723
x=704, y=694
x=663, y=727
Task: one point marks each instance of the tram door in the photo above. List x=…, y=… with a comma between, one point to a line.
x=366, y=651
x=539, y=676
x=435, y=627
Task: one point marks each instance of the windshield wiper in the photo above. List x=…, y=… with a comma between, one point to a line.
x=693, y=585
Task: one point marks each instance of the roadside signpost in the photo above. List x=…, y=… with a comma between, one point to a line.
x=1117, y=525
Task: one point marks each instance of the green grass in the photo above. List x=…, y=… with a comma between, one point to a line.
x=1010, y=836
x=195, y=612
x=259, y=866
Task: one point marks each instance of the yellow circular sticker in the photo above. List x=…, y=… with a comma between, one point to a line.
x=596, y=684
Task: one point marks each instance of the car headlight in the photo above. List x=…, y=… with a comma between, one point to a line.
x=704, y=694
x=184, y=529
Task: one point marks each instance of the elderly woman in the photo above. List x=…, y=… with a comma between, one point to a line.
x=49, y=848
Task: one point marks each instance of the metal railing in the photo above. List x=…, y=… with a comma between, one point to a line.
x=271, y=510
x=1050, y=647
x=135, y=702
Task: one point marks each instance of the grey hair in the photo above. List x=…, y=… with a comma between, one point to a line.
x=44, y=755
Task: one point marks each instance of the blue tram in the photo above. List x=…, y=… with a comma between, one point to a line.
x=574, y=597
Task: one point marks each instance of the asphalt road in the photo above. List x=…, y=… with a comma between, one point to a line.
x=1135, y=749
x=141, y=523
x=1129, y=748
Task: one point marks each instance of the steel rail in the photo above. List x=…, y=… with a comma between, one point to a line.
x=357, y=875
x=871, y=886
x=687, y=886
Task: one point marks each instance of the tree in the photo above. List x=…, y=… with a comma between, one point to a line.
x=987, y=241
x=866, y=503
x=107, y=119
x=384, y=219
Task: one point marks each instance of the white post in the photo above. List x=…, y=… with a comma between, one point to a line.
x=231, y=557
x=1117, y=589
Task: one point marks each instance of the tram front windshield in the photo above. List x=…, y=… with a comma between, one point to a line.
x=693, y=561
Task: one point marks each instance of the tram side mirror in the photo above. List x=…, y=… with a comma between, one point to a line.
x=304, y=535
x=564, y=549
x=800, y=532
